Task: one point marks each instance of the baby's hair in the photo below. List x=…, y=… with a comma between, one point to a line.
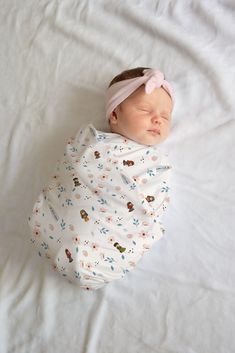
x=127, y=74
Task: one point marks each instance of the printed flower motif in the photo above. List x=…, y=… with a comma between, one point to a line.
x=146, y=246
x=85, y=253
x=71, y=227
x=76, y=239
x=111, y=239
x=132, y=263
x=95, y=246
x=103, y=177
x=51, y=227
x=37, y=232
x=143, y=234
x=154, y=158
x=145, y=223
x=36, y=211
x=136, y=178
x=81, y=264
x=102, y=209
x=109, y=219
x=54, y=267
x=96, y=192
x=88, y=265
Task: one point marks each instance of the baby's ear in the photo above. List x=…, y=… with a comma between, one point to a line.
x=113, y=118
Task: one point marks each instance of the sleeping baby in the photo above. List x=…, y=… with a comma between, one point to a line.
x=101, y=210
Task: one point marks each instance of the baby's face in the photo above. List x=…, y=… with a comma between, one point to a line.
x=144, y=118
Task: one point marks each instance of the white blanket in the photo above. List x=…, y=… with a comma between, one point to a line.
x=57, y=58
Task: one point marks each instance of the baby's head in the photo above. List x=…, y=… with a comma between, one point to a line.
x=139, y=104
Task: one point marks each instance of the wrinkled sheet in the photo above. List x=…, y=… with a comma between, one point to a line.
x=57, y=58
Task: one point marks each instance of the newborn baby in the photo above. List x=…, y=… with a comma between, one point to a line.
x=101, y=210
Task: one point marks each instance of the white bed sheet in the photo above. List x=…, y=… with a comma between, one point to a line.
x=57, y=58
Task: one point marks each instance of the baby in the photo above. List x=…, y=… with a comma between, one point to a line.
x=101, y=210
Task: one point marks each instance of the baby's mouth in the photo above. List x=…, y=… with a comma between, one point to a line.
x=155, y=131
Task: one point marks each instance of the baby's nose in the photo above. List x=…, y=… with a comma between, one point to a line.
x=155, y=119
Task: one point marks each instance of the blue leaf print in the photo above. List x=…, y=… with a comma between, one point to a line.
x=150, y=172
x=136, y=222
x=100, y=166
x=101, y=137
x=61, y=188
x=73, y=149
x=77, y=275
x=109, y=259
x=69, y=167
x=165, y=189
x=132, y=186
x=102, y=201
x=104, y=230
x=62, y=224
x=112, y=268
x=123, y=257
x=45, y=245
x=69, y=202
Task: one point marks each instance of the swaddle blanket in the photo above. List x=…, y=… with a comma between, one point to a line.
x=100, y=212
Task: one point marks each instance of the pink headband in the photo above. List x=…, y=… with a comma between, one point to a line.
x=119, y=91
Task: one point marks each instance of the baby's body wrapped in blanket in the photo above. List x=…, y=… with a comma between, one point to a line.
x=101, y=210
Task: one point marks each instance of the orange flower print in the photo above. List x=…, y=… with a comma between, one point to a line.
x=76, y=239
x=132, y=263
x=103, y=176
x=36, y=211
x=51, y=227
x=145, y=223
x=71, y=227
x=94, y=246
x=96, y=192
x=146, y=246
x=54, y=267
x=37, y=232
x=102, y=209
x=85, y=253
x=143, y=234
x=111, y=239
x=136, y=178
x=109, y=219
x=89, y=265
x=154, y=158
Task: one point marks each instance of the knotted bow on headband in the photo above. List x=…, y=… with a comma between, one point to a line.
x=119, y=91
